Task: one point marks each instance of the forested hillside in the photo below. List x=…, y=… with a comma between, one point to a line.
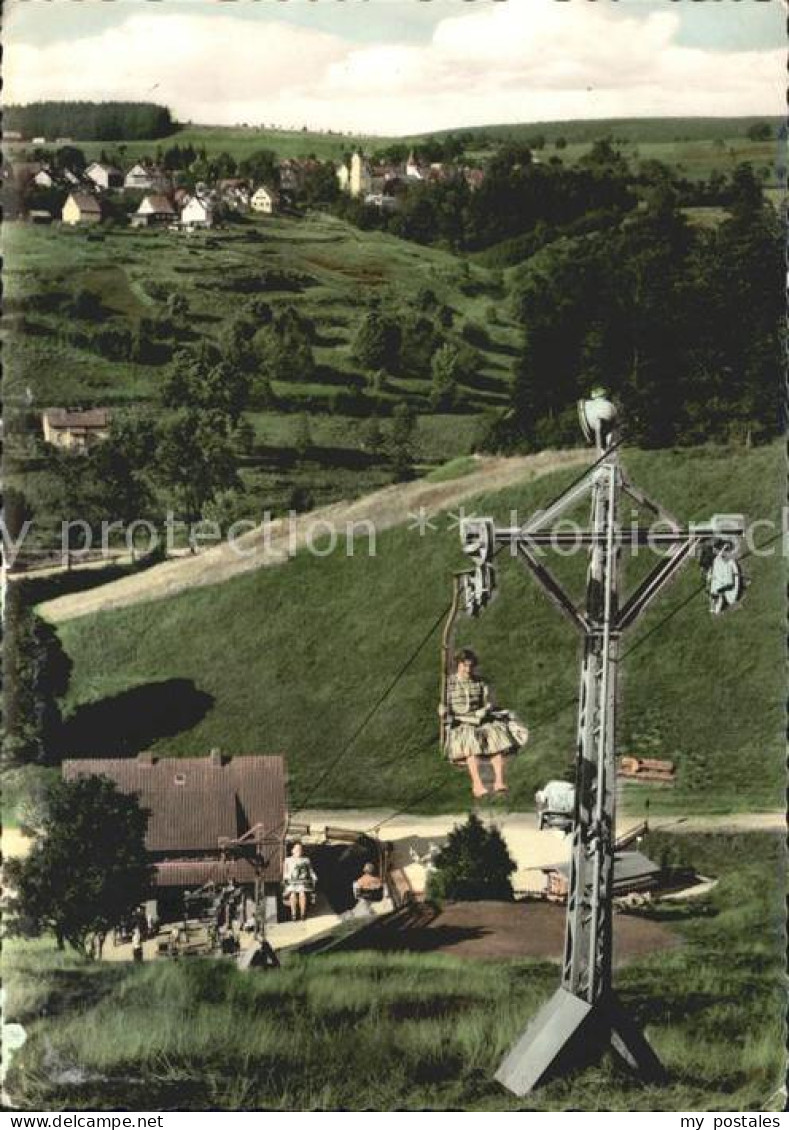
x=80, y=121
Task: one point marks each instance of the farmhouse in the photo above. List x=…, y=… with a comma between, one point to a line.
x=44, y=177
x=197, y=213
x=81, y=208
x=153, y=210
x=413, y=169
x=146, y=177
x=104, y=176
x=198, y=806
x=293, y=172
x=265, y=199
x=234, y=192
x=75, y=429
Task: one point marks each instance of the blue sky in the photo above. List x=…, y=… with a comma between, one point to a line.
x=398, y=65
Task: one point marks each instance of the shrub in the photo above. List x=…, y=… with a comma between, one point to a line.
x=476, y=334
x=474, y=864
x=300, y=500
x=426, y=298
x=377, y=342
x=114, y=342
x=85, y=304
x=156, y=290
x=446, y=371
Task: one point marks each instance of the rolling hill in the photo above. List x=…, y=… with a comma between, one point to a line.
x=698, y=145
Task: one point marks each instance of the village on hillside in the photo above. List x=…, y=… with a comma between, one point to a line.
x=147, y=194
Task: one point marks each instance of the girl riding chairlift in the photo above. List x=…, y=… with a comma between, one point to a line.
x=475, y=728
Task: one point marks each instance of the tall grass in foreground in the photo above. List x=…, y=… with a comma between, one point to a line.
x=403, y=1031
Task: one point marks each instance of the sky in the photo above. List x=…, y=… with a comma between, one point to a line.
x=401, y=66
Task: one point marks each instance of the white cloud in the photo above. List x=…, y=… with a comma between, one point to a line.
x=524, y=60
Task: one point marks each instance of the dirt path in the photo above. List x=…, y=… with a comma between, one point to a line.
x=257, y=548
x=531, y=849
x=492, y=931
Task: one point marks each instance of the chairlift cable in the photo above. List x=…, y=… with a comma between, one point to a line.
x=372, y=711
x=370, y=714
x=573, y=702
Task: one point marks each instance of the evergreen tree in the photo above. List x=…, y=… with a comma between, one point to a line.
x=474, y=864
x=446, y=371
x=36, y=673
x=401, y=441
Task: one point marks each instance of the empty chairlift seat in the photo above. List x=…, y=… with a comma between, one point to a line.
x=555, y=805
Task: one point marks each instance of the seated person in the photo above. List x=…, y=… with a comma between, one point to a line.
x=368, y=887
x=300, y=881
x=476, y=729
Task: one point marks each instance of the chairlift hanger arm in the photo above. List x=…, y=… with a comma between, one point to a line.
x=642, y=498
x=585, y=539
x=575, y=491
x=571, y=496
x=654, y=583
x=552, y=587
x=632, y=537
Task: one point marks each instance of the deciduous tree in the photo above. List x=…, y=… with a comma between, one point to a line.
x=87, y=870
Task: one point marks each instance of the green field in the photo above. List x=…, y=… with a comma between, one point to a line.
x=335, y=269
x=413, y=1032
x=697, y=146
x=293, y=658
x=238, y=141
x=330, y=272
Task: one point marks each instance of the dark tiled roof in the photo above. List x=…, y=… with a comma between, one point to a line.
x=78, y=418
x=196, y=872
x=194, y=801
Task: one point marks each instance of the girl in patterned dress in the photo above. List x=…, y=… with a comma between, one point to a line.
x=475, y=728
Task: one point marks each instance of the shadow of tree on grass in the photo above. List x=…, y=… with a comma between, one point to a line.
x=124, y=724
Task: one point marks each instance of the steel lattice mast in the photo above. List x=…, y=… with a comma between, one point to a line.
x=584, y=1015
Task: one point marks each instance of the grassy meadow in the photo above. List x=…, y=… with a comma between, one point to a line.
x=325, y=268
x=238, y=141
x=322, y=267
x=368, y=1031
x=289, y=660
